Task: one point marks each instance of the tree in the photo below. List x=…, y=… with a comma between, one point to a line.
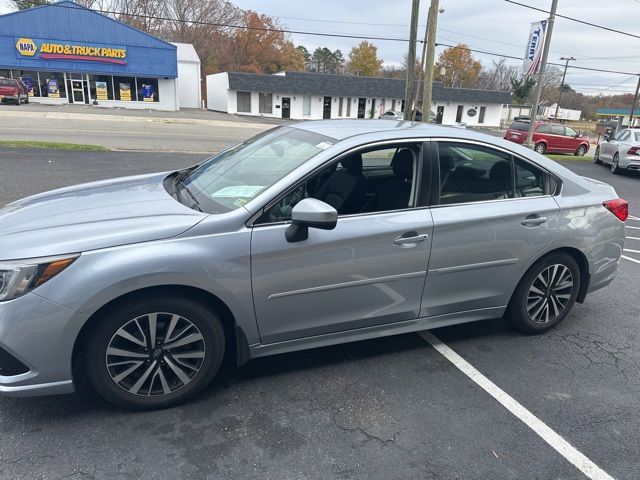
x=364, y=61
x=306, y=56
x=498, y=76
x=292, y=58
x=522, y=88
x=460, y=68
x=324, y=60
x=24, y=4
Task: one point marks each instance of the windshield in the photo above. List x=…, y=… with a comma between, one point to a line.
x=235, y=176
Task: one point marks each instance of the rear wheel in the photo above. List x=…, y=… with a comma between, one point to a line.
x=615, y=167
x=546, y=294
x=596, y=156
x=540, y=148
x=154, y=353
x=19, y=100
x=582, y=149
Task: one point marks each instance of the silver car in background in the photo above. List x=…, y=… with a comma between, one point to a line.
x=303, y=236
x=622, y=151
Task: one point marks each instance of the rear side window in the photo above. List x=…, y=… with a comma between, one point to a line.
x=475, y=173
x=543, y=128
x=520, y=126
x=557, y=129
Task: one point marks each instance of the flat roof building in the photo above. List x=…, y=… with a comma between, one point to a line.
x=65, y=53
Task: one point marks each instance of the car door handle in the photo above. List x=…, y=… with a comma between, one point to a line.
x=410, y=238
x=533, y=221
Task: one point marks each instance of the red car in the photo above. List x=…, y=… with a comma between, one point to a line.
x=12, y=90
x=549, y=137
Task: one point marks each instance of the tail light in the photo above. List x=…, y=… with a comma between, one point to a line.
x=619, y=207
x=634, y=151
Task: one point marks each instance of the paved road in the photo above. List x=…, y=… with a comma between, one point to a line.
x=391, y=408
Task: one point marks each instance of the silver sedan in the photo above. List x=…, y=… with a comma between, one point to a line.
x=621, y=152
x=303, y=236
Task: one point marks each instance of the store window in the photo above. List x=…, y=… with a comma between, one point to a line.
x=265, y=103
x=52, y=85
x=306, y=105
x=5, y=73
x=244, y=102
x=101, y=87
x=148, y=90
x=29, y=79
x=125, y=89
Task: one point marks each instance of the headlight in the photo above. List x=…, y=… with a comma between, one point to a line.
x=21, y=276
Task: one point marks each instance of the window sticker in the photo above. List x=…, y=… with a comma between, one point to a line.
x=238, y=191
x=323, y=145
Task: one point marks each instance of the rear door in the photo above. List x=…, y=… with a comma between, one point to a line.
x=493, y=214
x=557, y=139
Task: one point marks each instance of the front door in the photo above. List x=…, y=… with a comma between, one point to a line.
x=369, y=270
x=362, y=106
x=488, y=227
x=439, y=114
x=459, y=113
x=76, y=89
x=326, y=108
x=286, y=107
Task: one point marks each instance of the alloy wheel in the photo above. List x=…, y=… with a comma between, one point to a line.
x=540, y=148
x=549, y=293
x=614, y=164
x=155, y=354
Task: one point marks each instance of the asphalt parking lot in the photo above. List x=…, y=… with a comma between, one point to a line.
x=392, y=408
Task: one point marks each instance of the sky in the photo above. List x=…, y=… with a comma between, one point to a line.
x=491, y=25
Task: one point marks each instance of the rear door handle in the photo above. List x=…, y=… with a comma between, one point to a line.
x=411, y=238
x=533, y=221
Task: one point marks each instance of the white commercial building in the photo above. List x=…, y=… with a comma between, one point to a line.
x=189, y=77
x=308, y=96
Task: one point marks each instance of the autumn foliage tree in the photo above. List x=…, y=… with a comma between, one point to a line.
x=364, y=61
x=460, y=68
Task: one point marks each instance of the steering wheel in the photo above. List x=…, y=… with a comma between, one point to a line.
x=282, y=210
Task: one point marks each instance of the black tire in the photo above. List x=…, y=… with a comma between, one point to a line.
x=582, y=149
x=615, y=167
x=522, y=310
x=26, y=101
x=540, y=148
x=596, y=156
x=19, y=100
x=213, y=346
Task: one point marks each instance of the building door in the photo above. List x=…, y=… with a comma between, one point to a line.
x=76, y=89
x=362, y=106
x=286, y=107
x=326, y=108
x=459, y=113
x=439, y=114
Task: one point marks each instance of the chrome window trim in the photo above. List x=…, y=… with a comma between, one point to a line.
x=250, y=223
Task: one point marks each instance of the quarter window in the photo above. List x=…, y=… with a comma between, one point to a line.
x=529, y=180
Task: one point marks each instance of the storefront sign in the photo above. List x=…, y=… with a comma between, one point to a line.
x=125, y=92
x=64, y=50
x=147, y=92
x=52, y=88
x=101, y=91
x=27, y=82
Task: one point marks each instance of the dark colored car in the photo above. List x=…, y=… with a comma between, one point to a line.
x=549, y=137
x=13, y=91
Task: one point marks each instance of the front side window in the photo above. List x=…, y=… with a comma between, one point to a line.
x=475, y=173
x=571, y=132
x=232, y=178
x=623, y=135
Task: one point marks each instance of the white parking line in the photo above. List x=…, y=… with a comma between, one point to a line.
x=633, y=218
x=633, y=238
x=630, y=259
x=635, y=228
x=630, y=250
x=564, y=448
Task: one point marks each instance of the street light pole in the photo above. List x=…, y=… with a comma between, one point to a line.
x=564, y=74
x=411, y=61
x=633, y=105
x=432, y=26
x=543, y=64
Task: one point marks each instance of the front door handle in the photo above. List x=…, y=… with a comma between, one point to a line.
x=411, y=239
x=533, y=221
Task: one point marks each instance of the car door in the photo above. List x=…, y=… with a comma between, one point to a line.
x=619, y=143
x=492, y=216
x=572, y=139
x=557, y=138
x=369, y=270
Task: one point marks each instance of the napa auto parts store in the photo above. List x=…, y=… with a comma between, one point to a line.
x=64, y=53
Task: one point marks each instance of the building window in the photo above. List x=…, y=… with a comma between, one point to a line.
x=306, y=105
x=101, y=87
x=243, y=100
x=125, y=89
x=265, y=103
x=340, y=105
x=393, y=105
x=147, y=89
x=483, y=110
x=52, y=85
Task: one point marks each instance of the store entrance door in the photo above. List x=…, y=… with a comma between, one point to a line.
x=76, y=87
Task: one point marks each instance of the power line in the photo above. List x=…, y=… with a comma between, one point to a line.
x=324, y=34
x=584, y=22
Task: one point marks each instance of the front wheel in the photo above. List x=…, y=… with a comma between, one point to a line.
x=154, y=353
x=540, y=148
x=545, y=294
x=582, y=149
x=615, y=165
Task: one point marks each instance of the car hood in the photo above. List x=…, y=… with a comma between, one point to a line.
x=92, y=215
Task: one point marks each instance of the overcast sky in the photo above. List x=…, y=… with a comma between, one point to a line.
x=492, y=25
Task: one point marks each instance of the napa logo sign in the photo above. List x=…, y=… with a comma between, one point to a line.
x=26, y=47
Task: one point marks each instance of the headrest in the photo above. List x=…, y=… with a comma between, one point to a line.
x=353, y=163
x=500, y=171
x=402, y=164
x=467, y=172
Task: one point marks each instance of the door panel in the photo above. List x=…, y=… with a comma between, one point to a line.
x=359, y=274
x=480, y=251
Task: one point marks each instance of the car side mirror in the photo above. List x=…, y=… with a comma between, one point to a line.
x=310, y=213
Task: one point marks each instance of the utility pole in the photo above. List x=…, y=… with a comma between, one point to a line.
x=633, y=105
x=411, y=61
x=432, y=26
x=543, y=64
x=564, y=74
x=421, y=73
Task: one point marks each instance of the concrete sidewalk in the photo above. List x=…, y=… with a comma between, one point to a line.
x=104, y=114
